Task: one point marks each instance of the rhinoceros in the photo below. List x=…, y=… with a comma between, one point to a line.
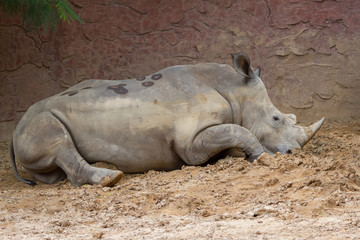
x=180, y=115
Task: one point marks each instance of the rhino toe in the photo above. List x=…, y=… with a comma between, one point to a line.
x=251, y=158
x=110, y=181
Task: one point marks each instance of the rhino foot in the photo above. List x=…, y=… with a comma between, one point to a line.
x=252, y=158
x=110, y=181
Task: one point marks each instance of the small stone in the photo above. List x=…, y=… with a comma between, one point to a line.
x=65, y=223
x=98, y=235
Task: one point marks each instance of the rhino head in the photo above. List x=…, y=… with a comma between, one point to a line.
x=276, y=131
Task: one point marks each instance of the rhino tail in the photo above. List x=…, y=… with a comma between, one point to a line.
x=13, y=164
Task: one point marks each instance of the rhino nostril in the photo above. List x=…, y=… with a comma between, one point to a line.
x=289, y=151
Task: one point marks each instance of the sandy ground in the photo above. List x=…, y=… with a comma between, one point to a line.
x=312, y=194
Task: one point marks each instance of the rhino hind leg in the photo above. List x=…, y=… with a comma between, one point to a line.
x=46, y=149
x=50, y=177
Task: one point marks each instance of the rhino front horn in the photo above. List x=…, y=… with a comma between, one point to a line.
x=311, y=130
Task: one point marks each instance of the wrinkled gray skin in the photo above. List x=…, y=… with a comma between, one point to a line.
x=181, y=115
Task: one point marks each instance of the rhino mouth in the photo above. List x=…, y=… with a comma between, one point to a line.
x=268, y=150
x=282, y=149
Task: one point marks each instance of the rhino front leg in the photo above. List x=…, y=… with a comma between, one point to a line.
x=216, y=139
x=45, y=145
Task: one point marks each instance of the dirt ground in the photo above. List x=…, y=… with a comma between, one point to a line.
x=312, y=194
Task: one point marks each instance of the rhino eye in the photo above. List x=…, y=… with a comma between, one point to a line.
x=276, y=118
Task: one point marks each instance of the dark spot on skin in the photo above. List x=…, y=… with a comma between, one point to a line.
x=141, y=78
x=70, y=93
x=156, y=76
x=147, y=84
x=86, y=88
x=73, y=93
x=119, y=89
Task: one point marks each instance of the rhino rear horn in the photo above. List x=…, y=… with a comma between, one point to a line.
x=242, y=65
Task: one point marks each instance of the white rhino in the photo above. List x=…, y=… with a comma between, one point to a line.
x=180, y=115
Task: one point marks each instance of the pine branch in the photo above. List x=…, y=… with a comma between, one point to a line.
x=40, y=13
x=11, y=7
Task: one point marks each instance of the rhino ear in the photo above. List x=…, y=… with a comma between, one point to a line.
x=257, y=71
x=242, y=65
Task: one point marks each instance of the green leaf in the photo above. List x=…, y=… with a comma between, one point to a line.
x=65, y=11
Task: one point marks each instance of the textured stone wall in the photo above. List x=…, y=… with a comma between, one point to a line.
x=309, y=51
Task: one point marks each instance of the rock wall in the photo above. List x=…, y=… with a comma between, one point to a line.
x=309, y=51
